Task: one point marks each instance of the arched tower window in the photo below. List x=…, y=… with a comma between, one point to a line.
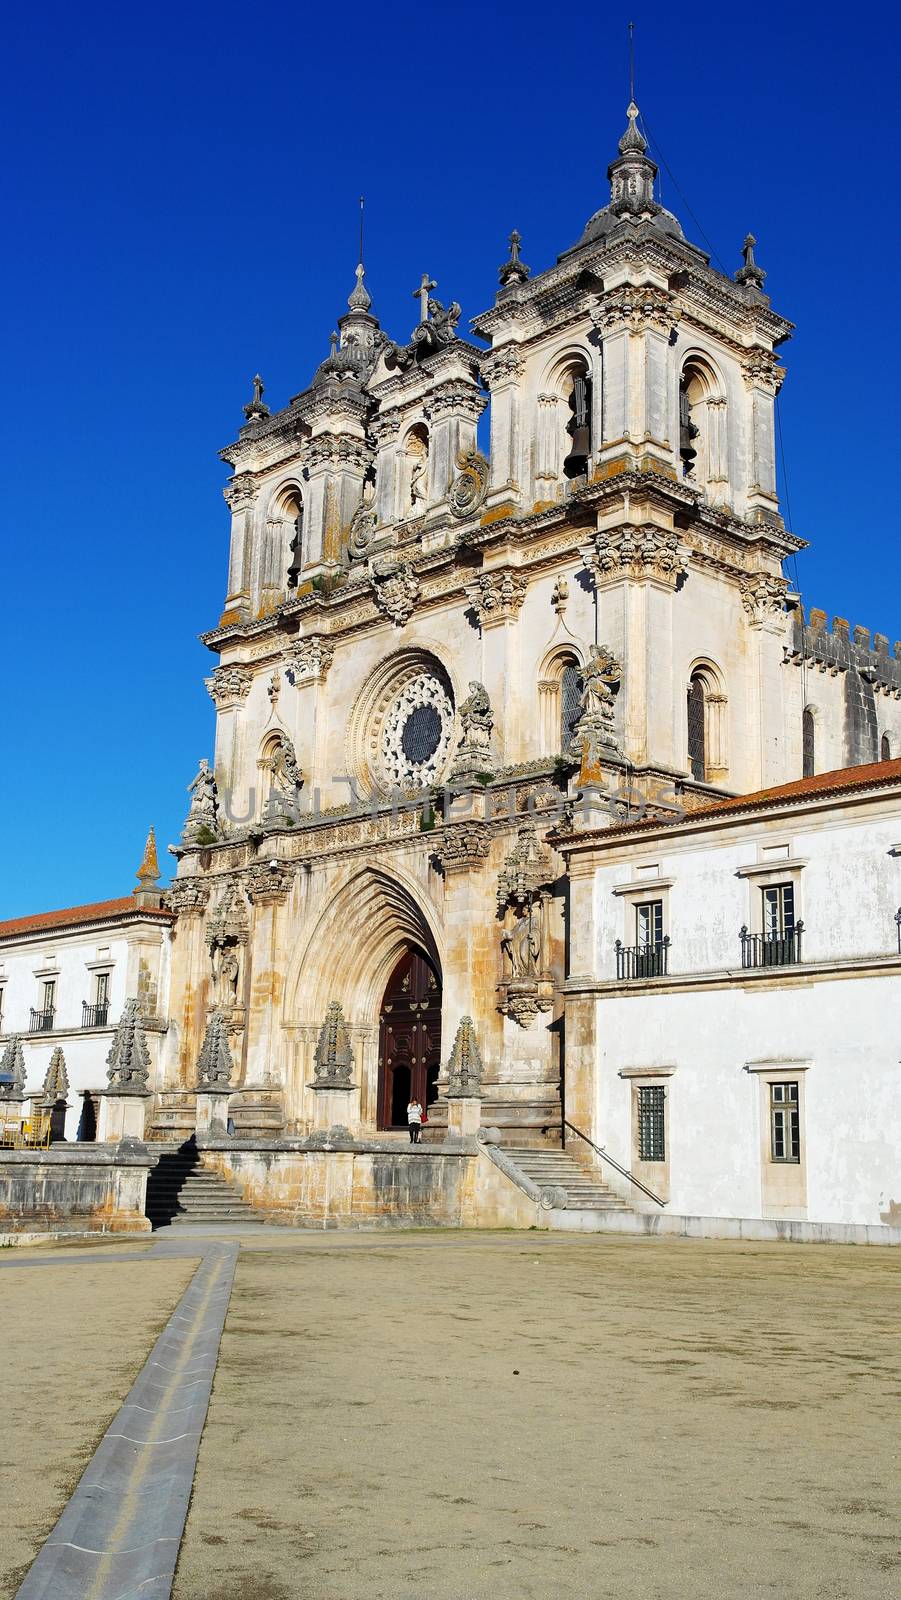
x=885, y=748
x=697, y=733
x=702, y=425
x=808, y=743
x=560, y=702
x=706, y=725
x=283, y=552
x=578, y=423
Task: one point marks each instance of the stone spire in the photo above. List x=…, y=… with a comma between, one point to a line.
x=632, y=174
x=56, y=1083
x=256, y=410
x=128, y=1062
x=333, y=1057
x=464, y=1069
x=147, y=889
x=12, y=1070
x=360, y=298
x=750, y=275
x=513, y=270
x=214, y=1064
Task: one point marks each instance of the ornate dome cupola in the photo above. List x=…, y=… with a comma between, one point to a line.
x=360, y=338
x=632, y=175
x=632, y=199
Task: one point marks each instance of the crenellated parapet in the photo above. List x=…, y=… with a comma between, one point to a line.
x=841, y=648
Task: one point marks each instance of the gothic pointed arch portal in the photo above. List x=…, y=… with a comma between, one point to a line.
x=409, y=1038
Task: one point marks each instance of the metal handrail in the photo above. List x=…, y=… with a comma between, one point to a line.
x=898, y=926
x=599, y=1149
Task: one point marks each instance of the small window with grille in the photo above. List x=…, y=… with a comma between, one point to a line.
x=697, y=733
x=778, y=910
x=649, y=924
x=785, y=1128
x=651, y=1131
x=570, y=702
x=49, y=996
x=808, y=743
x=101, y=997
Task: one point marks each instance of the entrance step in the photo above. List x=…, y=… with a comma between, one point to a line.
x=180, y=1190
x=554, y=1169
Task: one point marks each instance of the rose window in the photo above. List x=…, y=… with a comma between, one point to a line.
x=416, y=733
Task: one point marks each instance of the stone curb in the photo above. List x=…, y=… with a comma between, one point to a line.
x=119, y=1536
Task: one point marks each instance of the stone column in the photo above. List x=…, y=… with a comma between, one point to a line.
x=502, y=371
x=240, y=495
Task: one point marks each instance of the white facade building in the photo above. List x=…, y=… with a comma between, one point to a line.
x=64, y=979
x=733, y=1001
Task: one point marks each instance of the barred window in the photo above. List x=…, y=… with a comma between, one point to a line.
x=102, y=995
x=49, y=996
x=570, y=702
x=785, y=1128
x=697, y=742
x=808, y=743
x=651, y=1137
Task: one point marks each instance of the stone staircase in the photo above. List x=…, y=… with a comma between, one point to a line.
x=180, y=1191
x=555, y=1170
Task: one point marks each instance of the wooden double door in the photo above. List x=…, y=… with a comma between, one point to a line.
x=409, y=1039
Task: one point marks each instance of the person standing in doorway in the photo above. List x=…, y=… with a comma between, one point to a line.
x=414, y=1118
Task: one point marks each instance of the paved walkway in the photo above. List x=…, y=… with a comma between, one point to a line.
x=400, y=1415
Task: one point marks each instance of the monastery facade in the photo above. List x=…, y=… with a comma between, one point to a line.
x=488, y=598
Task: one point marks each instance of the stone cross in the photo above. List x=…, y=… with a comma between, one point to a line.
x=515, y=242
x=422, y=295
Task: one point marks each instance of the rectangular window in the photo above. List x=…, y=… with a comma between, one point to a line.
x=785, y=1129
x=649, y=924
x=102, y=996
x=778, y=910
x=49, y=996
x=651, y=1137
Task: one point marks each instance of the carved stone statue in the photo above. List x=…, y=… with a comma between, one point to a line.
x=225, y=963
x=286, y=776
x=225, y=939
x=202, y=825
x=476, y=722
x=597, y=720
x=521, y=944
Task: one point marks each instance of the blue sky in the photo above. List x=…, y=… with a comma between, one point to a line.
x=180, y=192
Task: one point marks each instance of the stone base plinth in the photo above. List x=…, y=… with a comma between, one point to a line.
x=335, y=1107
x=212, y=1110
x=122, y=1116
x=464, y=1116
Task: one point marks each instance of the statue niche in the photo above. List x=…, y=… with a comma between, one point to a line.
x=415, y=486
x=226, y=938
x=523, y=903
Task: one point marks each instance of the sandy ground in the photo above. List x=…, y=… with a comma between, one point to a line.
x=459, y=1417
x=74, y=1336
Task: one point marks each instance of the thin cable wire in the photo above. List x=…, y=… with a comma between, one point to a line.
x=672, y=177
x=794, y=555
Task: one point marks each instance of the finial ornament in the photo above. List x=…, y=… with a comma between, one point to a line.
x=750, y=273
x=514, y=270
x=633, y=139
x=360, y=298
x=149, y=870
x=256, y=410
x=333, y=342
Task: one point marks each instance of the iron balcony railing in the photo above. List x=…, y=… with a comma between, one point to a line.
x=771, y=949
x=94, y=1016
x=642, y=960
x=41, y=1021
